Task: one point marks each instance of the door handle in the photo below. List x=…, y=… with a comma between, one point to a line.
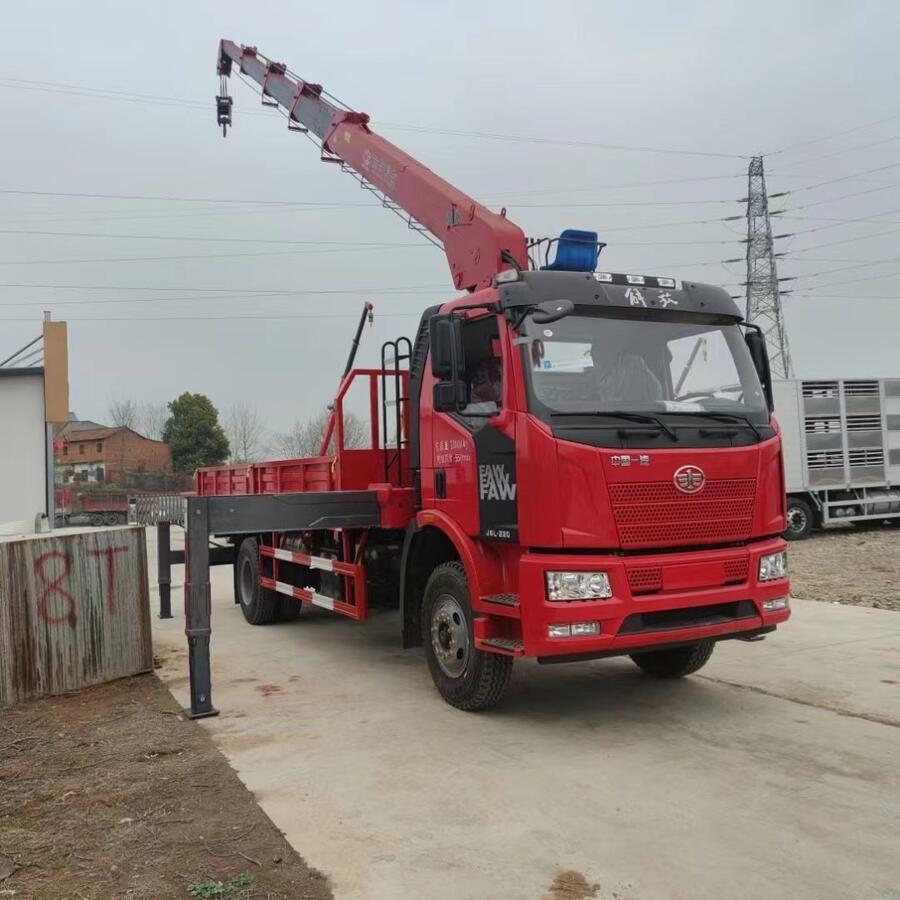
x=440, y=484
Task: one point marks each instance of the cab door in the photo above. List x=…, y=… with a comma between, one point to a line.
x=473, y=474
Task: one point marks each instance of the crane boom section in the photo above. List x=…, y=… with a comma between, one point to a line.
x=478, y=243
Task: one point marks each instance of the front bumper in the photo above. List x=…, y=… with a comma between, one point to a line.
x=676, y=597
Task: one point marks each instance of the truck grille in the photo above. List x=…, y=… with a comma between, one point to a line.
x=652, y=514
x=649, y=579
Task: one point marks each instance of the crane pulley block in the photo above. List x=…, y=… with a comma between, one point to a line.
x=223, y=111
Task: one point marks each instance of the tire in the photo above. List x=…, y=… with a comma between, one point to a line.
x=676, y=662
x=96, y=520
x=110, y=519
x=259, y=605
x=465, y=677
x=800, y=520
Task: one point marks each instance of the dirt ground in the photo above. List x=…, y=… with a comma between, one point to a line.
x=858, y=566
x=112, y=793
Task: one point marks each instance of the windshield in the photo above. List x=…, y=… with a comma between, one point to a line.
x=607, y=360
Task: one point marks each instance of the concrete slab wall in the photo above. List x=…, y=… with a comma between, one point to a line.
x=73, y=611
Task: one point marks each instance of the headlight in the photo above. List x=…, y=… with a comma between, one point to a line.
x=772, y=566
x=578, y=586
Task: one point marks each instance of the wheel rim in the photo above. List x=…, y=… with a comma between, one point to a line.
x=797, y=520
x=246, y=583
x=450, y=636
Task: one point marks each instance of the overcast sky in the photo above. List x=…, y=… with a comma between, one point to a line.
x=726, y=79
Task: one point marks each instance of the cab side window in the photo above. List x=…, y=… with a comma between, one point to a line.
x=484, y=370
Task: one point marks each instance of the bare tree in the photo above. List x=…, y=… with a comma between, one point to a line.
x=246, y=432
x=122, y=413
x=151, y=419
x=304, y=437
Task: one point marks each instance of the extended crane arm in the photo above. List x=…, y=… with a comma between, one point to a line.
x=478, y=243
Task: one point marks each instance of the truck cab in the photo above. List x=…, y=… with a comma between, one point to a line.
x=600, y=451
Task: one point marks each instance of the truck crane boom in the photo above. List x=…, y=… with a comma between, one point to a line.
x=478, y=243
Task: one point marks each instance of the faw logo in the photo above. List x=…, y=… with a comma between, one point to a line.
x=689, y=479
x=495, y=483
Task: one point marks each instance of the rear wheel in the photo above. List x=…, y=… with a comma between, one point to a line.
x=97, y=519
x=466, y=677
x=675, y=662
x=111, y=518
x=800, y=519
x=258, y=604
x=288, y=609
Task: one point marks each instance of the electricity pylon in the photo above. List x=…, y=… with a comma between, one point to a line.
x=763, y=296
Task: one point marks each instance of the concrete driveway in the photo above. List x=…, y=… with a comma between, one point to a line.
x=774, y=773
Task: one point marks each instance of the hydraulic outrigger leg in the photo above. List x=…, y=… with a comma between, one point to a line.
x=198, y=606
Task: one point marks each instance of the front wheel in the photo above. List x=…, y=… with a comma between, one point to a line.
x=466, y=677
x=675, y=662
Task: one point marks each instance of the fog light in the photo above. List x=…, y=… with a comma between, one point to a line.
x=573, y=629
x=772, y=566
x=578, y=586
x=776, y=604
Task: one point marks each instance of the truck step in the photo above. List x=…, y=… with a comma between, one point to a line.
x=507, y=646
x=502, y=599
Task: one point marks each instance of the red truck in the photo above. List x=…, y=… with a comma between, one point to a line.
x=96, y=507
x=564, y=463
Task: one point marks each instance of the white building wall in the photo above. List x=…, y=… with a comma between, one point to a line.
x=23, y=452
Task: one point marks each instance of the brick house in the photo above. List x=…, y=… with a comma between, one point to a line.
x=109, y=455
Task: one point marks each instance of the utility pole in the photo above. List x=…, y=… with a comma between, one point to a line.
x=763, y=296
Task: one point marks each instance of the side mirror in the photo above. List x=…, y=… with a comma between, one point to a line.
x=450, y=396
x=445, y=339
x=552, y=311
x=756, y=344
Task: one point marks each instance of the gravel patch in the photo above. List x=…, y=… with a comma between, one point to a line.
x=848, y=564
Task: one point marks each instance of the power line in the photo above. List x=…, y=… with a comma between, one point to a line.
x=810, y=292
x=852, y=177
x=177, y=237
x=194, y=257
x=873, y=190
x=177, y=214
x=529, y=139
x=855, y=281
x=871, y=218
x=850, y=240
x=855, y=265
x=103, y=94
x=857, y=149
x=833, y=135
x=169, y=198
x=288, y=291
x=354, y=315
x=346, y=204
x=613, y=187
x=279, y=295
